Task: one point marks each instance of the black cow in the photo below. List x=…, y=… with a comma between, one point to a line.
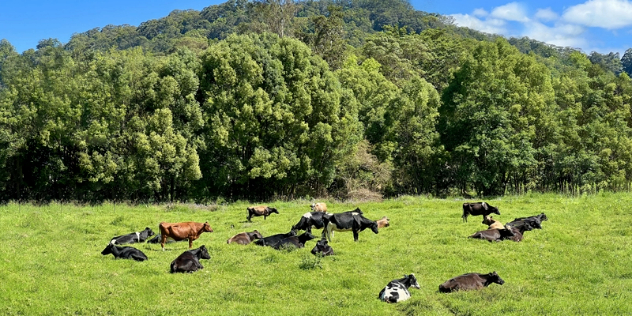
x=352, y=220
x=124, y=252
x=189, y=261
x=274, y=239
x=322, y=248
x=294, y=241
x=397, y=290
x=470, y=281
x=478, y=208
x=494, y=234
x=528, y=223
x=132, y=237
x=157, y=238
x=310, y=219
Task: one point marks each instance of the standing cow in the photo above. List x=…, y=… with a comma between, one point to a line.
x=478, y=208
x=261, y=210
x=309, y=220
x=347, y=221
x=180, y=231
x=397, y=290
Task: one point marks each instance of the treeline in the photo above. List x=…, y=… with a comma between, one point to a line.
x=270, y=99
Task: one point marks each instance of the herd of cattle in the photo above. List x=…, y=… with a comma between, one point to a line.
x=395, y=291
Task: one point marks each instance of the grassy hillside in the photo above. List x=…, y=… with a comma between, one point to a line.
x=578, y=264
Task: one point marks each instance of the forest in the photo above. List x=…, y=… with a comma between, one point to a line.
x=283, y=99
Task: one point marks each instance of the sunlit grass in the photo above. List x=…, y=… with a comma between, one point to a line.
x=578, y=264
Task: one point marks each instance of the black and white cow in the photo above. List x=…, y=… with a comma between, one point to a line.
x=124, y=252
x=189, y=261
x=274, y=239
x=347, y=221
x=132, y=237
x=397, y=290
x=528, y=223
x=309, y=220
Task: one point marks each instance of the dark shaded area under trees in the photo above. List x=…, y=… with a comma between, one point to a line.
x=282, y=99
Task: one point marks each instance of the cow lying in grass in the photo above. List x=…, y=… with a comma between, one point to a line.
x=494, y=234
x=132, y=237
x=347, y=221
x=493, y=224
x=383, y=222
x=189, y=261
x=274, y=239
x=319, y=207
x=294, y=241
x=158, y=238
x=244, y=238
x=124, y=252
x=478, y=208
x=470, y=281
x=261, y=210
x=528, y=223
x=322, y=249
x=397, y=290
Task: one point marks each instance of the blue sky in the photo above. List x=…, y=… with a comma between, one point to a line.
x=592, y=25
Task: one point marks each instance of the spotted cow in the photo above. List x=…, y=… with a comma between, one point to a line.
x=397, y=290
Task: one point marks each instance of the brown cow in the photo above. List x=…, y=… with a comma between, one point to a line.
x=470, y=281
x=261, y=210
x=494, y=234
x=319, y=207
x=384, y=222
x=179, y=231
x=245, y=238
x=493, y=224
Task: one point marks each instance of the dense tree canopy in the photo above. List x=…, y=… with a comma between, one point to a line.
x=263, y=99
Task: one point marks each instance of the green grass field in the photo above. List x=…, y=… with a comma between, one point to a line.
x=579, y=263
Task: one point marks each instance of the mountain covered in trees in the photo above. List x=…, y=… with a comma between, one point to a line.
x=279, y=98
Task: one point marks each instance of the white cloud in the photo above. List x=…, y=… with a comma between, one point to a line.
x=566, y=35
x=480, y=12
x=494, y=26
x=609, y=14
x=546, y=15
x=511, y=12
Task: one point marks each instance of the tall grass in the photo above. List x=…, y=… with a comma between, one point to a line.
x=578, y=264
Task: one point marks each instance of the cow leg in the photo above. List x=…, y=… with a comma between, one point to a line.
x=190, y=242
x=264, y=217
x=355, y=235
x=163, y=239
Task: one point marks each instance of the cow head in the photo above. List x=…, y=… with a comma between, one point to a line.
x=492, y=209
x=488, y=220
x=543, y=217
x=107, y=250
x=149, y=231
x=305, y=237
x=204, y=253
x=312, y=206
x=255, y=235
x=207, y=228
x=494, y=278
x=374, y=227
x=412, y=280
x=272, y=210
